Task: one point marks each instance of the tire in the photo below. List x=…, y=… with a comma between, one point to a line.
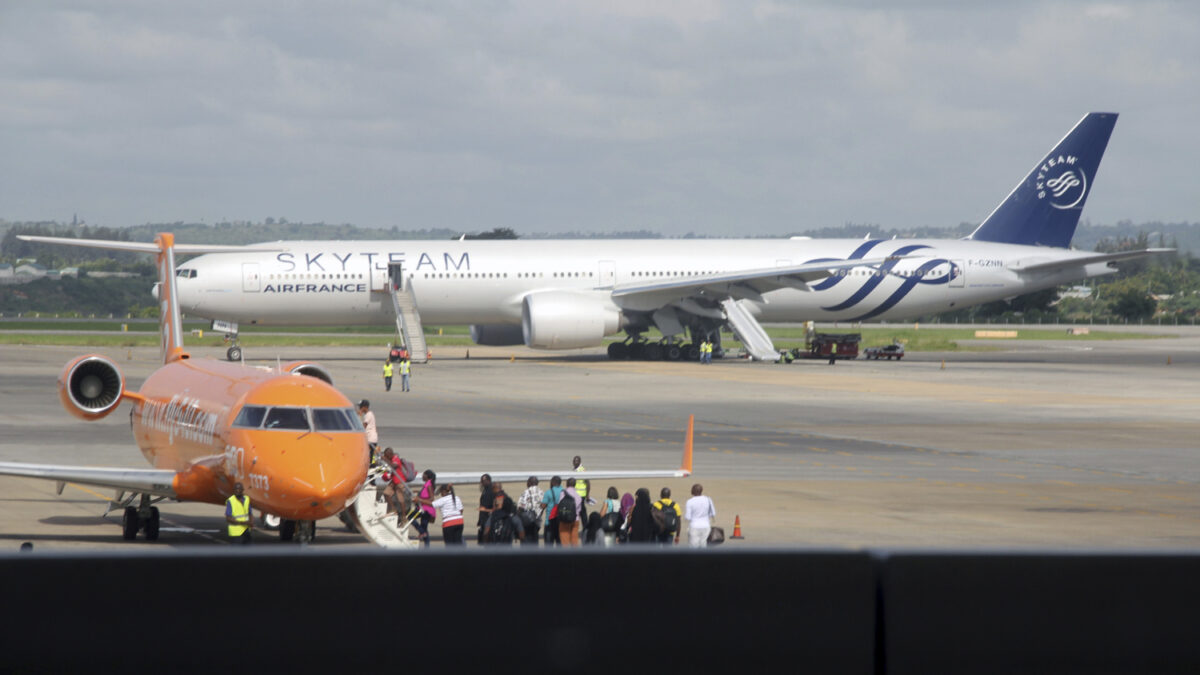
x=152, y=524
x=672, y=352
x=234, y=353
x=618, y=351
x=129, y=524
x=635, y=351
x=653, y=351
x=691, y=352
x=287, y=530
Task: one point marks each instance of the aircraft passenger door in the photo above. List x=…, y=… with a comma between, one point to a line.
x=250, y=278
x=379, y=279
x=608, y=274
x=958, y=277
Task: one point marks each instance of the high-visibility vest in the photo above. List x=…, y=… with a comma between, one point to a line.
x=240, y=510
x=405, y=367
x=387, y=369
x=580, y=486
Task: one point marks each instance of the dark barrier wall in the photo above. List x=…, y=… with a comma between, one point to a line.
x=484, y=612
x=1041, y=614
x=600, y=611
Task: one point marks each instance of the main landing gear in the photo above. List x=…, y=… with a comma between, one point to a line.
x=142, y=517
x=635, y=349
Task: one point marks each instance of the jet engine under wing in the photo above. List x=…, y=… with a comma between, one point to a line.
x=158, y=482
x=1066, y=263
x=741, y=284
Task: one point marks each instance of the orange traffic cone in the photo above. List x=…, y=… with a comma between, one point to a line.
x=737, y=528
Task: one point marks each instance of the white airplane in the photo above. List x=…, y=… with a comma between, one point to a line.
x=573, y=294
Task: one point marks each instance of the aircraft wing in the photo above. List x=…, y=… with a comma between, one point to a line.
x=744, y=283
x=472, y=477
x=158, y=482
x=1054, y=265
x=519, y=477
x=146, y=247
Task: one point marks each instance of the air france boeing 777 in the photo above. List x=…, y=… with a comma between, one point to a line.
x=572, y=294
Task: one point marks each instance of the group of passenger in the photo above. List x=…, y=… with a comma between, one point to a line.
x=565, y=516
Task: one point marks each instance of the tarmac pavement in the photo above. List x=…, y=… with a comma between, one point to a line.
x=1053, y=445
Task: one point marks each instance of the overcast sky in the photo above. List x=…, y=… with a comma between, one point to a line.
x=719, y=118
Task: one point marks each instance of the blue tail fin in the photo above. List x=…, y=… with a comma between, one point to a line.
x=1044, y=209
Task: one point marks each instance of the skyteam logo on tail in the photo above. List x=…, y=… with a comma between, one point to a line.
x=1062, y=182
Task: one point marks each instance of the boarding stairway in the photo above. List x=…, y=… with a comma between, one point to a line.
x=749, y=331
x=369, y=513
x=408, y=317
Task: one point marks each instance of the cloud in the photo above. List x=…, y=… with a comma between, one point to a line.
x=714, y=117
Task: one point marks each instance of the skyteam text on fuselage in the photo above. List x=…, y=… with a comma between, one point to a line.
x=572, y=294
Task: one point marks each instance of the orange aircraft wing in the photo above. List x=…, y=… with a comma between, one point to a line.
x=158, y=482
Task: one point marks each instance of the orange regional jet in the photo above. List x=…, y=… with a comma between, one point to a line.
x=292, y=439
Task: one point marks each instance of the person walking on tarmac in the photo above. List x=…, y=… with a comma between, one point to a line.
x=405, y=372
x=239, y=519
x=668, y=517
x=387, y=375
x=833, y=352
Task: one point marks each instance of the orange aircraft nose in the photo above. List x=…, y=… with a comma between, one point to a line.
x=307, y=476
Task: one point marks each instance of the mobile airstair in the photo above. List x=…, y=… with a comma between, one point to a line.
x=749, y=331
x=369, y=513
x=408, y=316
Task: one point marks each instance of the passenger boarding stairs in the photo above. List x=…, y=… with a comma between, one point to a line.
x=749, y=331
x=370, y=515
x=408, y=317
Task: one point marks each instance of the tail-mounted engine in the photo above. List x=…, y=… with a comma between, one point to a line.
x=90, y=387
x=309, y=368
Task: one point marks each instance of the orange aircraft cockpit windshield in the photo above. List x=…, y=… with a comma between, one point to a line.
x=298, y=447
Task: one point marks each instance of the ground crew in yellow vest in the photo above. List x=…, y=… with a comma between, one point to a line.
x=387, y=375
x=832, y=353
x=405, y=371
x=238, y=516
x=581, y=488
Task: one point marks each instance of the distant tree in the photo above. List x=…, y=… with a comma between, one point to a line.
x=1130, y=300
x=497, y=233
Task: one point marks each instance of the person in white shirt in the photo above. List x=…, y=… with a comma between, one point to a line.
x=368, y=420
x=699, y=513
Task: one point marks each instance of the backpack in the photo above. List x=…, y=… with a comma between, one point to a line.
x=611, y=522
x=502, y=531
x=665, y=518
x=407, y=470
x=566, y=509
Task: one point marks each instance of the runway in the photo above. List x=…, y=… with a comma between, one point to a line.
x=1045, y=445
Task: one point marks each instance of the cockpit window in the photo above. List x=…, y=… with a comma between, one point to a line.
x=185, y=273
x=297, y=419
x=251, y=416
x=335, y=419
x=287, y=418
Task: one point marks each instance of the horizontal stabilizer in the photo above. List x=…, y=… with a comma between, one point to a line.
x=1067, y=263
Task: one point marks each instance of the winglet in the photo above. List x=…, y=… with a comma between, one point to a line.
x=687, y=447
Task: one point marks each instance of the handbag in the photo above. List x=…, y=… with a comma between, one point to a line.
x=716, y=536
